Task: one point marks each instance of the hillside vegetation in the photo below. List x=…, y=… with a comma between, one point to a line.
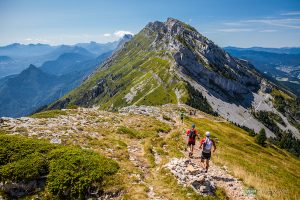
x=29, y=166
x=142, y=140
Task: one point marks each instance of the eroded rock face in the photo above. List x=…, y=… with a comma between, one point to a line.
x=91, y=94
x=204, y=61
x=18, y=189
x=61, y=104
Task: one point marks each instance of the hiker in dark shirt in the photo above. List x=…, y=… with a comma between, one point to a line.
x=192, y=135
x=181, y=117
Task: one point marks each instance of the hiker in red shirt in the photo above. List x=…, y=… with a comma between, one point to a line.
x=192, y=134
x=206, y=144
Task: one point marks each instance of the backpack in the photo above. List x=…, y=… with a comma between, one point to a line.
x=192, y=134
x=207, y=145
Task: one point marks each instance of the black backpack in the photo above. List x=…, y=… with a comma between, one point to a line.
x=192, y=134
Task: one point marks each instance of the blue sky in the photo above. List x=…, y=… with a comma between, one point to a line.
x=243, y=23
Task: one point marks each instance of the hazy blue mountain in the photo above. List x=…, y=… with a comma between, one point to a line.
x=64, y=63
x=5, y=59
x=24, y=55
x=286, y=50
x=18, y=50
x=283, y=67
x=97, y=48
x=34, y=87
x=67, y=49
x=65, y=68
x=71, y=62
x=123, y=40
x=23, y=93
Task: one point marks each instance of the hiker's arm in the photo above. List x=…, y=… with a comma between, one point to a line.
x=201, y=143
x=215, y=147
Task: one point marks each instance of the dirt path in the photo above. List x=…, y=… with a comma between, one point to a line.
x=234, y=188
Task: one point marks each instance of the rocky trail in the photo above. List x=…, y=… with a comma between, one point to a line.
x=191, y=172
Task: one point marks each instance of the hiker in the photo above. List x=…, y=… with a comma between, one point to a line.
x=181, y=117
x=192, y=134
x=206, y=144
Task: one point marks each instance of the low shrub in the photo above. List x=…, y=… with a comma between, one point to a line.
x=49, y=114
x=132, y=133
x=71, y=173
x=74, y=171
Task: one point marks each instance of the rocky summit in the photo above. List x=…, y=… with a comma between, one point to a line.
x=171, y=62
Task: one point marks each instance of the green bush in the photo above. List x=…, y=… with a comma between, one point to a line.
x=32, y=167
x=261, y=137
x=74, y=171
x=49, y=114
x=14, y=148
x=72, y=106
x=70, y=172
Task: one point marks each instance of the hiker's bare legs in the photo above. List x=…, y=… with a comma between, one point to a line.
x=207, y=164
x=202, y=163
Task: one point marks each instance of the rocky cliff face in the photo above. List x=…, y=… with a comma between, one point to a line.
x=170, y=62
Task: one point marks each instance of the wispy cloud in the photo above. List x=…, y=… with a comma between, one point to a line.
x=295, y=12
x=232, y=23
x=268, y=31
x=121, y=33
x=293, y=23
x=36, y=40
x=106, y=34
x=233, y=30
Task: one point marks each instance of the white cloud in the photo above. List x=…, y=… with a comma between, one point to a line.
x=233, y=30
x=268, y=31
x=106, y=34
x=36, y=40
x=232, y=23
x=121, y=33
x=291, y=13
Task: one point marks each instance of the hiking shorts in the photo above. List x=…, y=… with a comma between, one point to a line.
x=205, y=156
x=191, y=143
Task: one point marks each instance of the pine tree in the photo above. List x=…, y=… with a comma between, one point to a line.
x=261, y=137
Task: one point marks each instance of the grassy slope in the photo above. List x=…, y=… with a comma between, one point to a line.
x=136, y=65
x=272, y=171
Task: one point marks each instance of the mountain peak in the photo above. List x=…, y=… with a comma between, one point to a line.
x=172, y=21
x=32, y=67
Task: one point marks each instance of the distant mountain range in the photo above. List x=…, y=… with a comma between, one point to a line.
x=282, y=64
x=283, y=50
x=21, y=94
x=21, y=56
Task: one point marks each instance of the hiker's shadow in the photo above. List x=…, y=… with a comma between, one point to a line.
x=218, y=178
